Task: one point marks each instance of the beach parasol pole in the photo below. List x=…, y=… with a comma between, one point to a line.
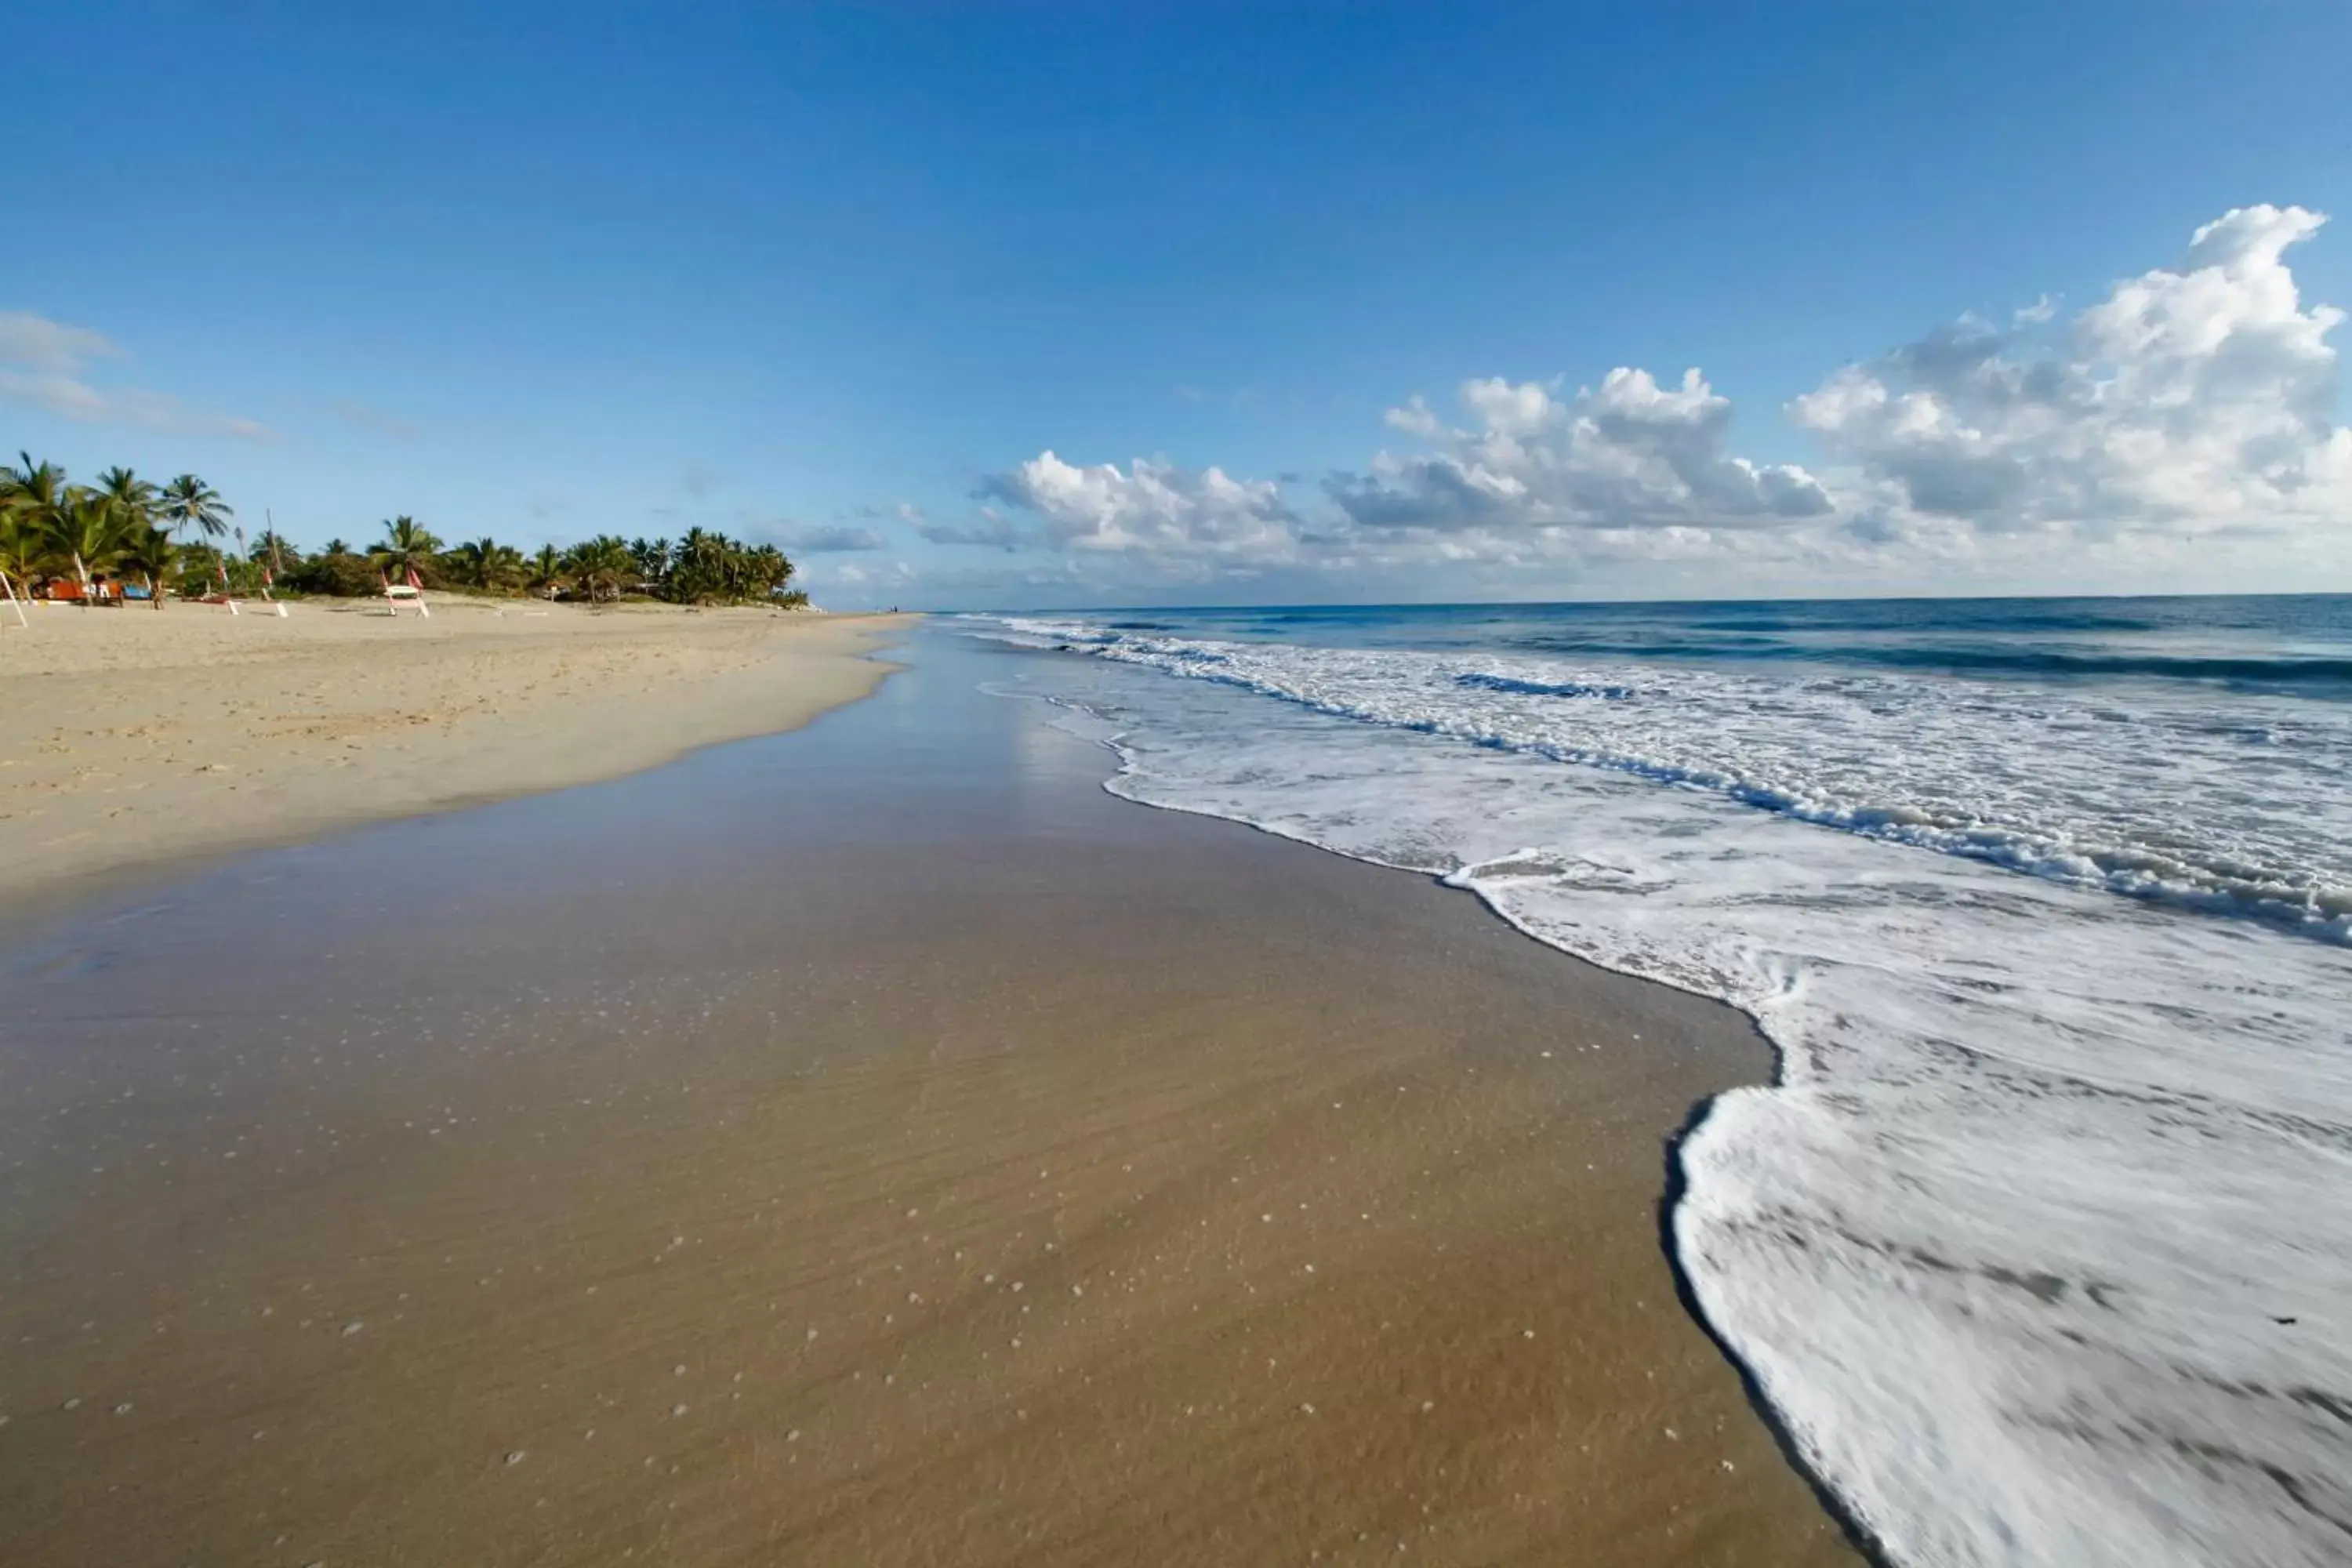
x=15, y=603
x=277, y=564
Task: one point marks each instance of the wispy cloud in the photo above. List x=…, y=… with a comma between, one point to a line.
x=39, y=343
x=823, y=540
x=45, y=363
x=359, y=416
x=990, y=529
x=1239, y=397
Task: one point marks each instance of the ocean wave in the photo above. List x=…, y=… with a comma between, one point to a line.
x=2319, y=675
x=1544, y=688
x=1965, y=791
x=2070, y=664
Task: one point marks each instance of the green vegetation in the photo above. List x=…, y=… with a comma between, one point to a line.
x=710, y=568
x=485, y=564
x=188, y=502
x=407, y=546
x=166, y=539
x=53, y=531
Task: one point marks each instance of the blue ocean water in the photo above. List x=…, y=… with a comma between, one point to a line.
x=2297, y=645
x=2041, y=1245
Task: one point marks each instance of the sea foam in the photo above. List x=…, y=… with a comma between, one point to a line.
x=2040, y=1247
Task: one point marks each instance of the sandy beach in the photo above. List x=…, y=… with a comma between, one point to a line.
x=129, y=737
x=869, y=1145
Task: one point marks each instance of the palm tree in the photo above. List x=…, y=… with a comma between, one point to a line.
x=22, y=548
x=504, y=568
x=653, y=557
x=87, y=536
x=337, y=547
x=765, y=571
x=27, y=477
x=152, y=553
x=36, y=495
x=706, y=567
x=487, y=563
x=187, y=501
x=407, y=545
x=273, y=549
x=462, y=564
x=133, y=498
x=602, y=565
x=545, y=573
x=710, y=566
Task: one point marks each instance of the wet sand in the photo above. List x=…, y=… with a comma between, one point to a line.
x=871, y=1145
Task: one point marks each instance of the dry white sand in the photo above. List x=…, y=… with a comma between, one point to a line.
x=130, y=737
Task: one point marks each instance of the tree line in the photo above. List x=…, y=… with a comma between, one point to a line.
x=169, y=538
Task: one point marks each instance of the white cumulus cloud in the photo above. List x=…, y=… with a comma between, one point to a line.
x=1151, y=507
x=2190, y=403
x=1630, y=453
x=2190, y=399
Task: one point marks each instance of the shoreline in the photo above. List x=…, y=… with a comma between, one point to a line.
x=1859, y=1537
x=137, y=746
x=679, y=1200
x=1925, y=1238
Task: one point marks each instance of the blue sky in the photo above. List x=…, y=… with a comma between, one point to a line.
x=840, y=275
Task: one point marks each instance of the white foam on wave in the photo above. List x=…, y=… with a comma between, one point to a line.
x=2040, y=1249
x=2239, y=810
